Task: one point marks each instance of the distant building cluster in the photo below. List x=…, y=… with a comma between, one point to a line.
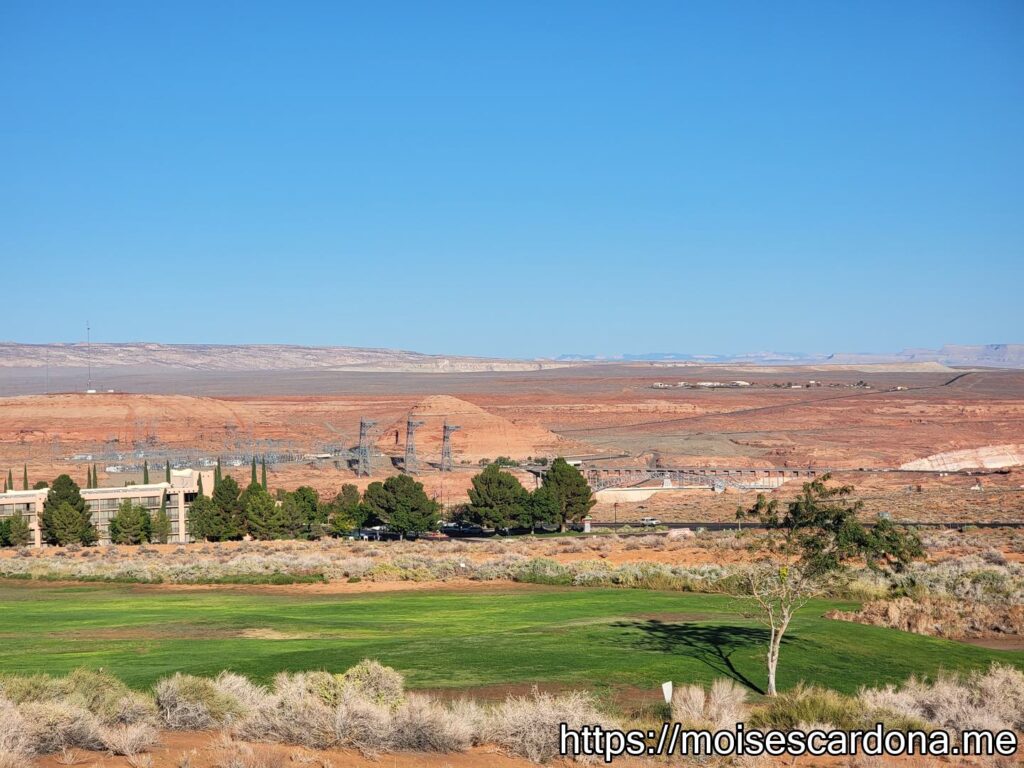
x=701, y=385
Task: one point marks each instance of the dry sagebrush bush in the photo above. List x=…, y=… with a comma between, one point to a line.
x=362, y=724
x=50, y=726
x=128, y=739
x=993, y=699
x=719, y=708
x=247, y=756
x=421, y=724
x=291, y=714
x=13, y=737
x=191, y=703
x=380, y=684
x=528, y=726
x=102, y=694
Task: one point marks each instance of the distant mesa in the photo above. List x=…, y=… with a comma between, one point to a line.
x=250, y=357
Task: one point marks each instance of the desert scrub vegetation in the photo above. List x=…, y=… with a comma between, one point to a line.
x=368, y=709
x=980, y=578
x=365, y=708
x=962, y=597
x=40, y=714
x=992, y=699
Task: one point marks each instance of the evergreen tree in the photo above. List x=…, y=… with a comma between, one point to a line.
x=161, y=529
x=65, y=525
x=200, y=484
x=145, y=472
x=207, y=522
x=10, y=480
x=66, y=491
x=570, y=489
x=497, y=499
x=252, y=480
x=40, y=485
x=24, y=477
x=216, y=474
x=167, y=472
x=401, y=503
x=294, y=518
x=263, y=472
x=346, y=512
x=18, y=532
x=5, y=532
x=542, y=508
x=262, y=515
x=131, y=524
x=226, y=498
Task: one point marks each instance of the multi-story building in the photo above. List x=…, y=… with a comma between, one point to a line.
x=103, y=503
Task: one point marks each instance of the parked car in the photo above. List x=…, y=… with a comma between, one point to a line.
x=649, y=522
x=456, y=530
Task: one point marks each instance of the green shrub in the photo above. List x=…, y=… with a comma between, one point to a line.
x=809, y=704
x=542, y=570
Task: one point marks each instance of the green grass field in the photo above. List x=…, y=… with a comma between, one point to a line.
x=592, y=638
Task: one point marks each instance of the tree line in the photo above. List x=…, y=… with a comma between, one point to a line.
x=497, y=500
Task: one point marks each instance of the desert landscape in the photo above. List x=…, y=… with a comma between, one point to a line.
x=918, y=442
x=498, y=385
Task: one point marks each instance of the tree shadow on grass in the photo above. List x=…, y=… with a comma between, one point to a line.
x=712, y=645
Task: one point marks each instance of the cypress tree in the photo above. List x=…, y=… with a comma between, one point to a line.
x=252, y=481
x=226, y=498
x=24, y=477
x=160, y=529
x=216, y=474
x=95, y=477
x=145, y=472
x=201, y=485
x=263, y=473
x=167, y=473
x=10, y=480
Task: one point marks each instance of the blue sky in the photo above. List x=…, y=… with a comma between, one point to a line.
x=521, y=178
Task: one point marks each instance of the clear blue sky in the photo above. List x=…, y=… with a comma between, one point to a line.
x=520, y=178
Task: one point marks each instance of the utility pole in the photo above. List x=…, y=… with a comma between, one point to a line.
x=88, y=351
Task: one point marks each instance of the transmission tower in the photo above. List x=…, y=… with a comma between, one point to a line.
x=446, y=446
x=410, y=467
x=363, y=452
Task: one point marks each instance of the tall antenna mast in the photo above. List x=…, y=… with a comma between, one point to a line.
x=88, y=350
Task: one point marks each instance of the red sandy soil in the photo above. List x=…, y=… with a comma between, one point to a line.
x=206, y=750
